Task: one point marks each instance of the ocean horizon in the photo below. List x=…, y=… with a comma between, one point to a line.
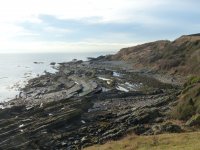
x=17, y=68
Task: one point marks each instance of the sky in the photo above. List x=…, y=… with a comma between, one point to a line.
x=92, y=25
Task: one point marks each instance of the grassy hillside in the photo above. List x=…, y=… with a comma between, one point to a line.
x=181, y=56
x=189, y=100
x=181, y=141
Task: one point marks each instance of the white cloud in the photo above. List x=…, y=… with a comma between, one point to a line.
x=108, y=10
x=74, y=47
x=57, y=30
x=13, y=12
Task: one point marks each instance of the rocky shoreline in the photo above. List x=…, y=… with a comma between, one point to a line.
x=85, y=103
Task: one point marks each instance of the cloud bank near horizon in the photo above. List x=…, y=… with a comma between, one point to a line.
x=92, y=25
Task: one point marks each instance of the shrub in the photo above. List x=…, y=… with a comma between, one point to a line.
x=184, y=110
x=189, y=101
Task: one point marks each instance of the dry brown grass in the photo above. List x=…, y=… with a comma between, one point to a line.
x=181, y=141
x=181, y=56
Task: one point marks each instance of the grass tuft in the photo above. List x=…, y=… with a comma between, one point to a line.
x=180, y=141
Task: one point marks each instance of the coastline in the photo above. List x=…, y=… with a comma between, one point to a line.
x=22, y=68
x=87, y=102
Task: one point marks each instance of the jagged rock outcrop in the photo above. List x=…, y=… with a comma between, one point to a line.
x=84, y=103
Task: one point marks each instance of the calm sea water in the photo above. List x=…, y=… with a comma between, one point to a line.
x=16, y=69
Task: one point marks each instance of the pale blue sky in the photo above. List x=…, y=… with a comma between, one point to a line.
x=92, y=25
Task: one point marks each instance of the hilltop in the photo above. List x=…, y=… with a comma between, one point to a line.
x=181, y=56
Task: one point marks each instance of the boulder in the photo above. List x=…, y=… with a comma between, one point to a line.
x=146, y=115
x=166, y=127
x=52, y=63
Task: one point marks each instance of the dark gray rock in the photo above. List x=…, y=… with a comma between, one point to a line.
x=69, y=110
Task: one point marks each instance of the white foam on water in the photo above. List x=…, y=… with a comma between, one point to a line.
x=116, y=74
x=104, y=79
x=17, y=69
x=120, y=88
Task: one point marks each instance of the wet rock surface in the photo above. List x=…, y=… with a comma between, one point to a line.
x=85, y=103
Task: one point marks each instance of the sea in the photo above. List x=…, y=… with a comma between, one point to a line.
x=17, y=69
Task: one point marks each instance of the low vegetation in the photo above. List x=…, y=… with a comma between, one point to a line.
x=187, y=109
x=180, y=141
x=189, y=100
x=181, y=56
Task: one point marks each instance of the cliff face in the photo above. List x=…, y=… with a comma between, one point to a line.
x=181, y=56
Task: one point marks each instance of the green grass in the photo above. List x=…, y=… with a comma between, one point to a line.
x=192, y=80
x=189, y=100
x=180, y=141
